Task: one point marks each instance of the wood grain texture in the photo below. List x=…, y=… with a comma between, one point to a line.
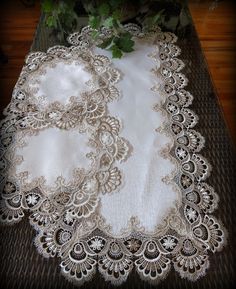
x=216, y=30
x=17, y=28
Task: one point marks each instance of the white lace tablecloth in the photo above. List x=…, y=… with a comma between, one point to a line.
x=103, y=154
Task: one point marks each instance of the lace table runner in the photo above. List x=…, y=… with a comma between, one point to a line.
x=103, y=154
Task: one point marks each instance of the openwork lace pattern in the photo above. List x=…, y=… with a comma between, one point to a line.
x=67, y=220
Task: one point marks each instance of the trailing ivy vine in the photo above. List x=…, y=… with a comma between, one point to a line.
x=62, y=16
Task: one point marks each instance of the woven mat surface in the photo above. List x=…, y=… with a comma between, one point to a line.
x=22, y=267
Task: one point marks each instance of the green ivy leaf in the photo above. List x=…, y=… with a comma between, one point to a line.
x=116, y=52
x=94, y=21
x=51, y=21
x=108, y=23
x=124, y=42
x=152, y=20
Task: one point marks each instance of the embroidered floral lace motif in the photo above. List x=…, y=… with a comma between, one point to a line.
x=67, y=219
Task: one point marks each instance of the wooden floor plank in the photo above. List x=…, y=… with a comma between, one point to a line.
x=217, y=33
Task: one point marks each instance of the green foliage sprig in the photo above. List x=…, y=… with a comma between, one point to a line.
x=111, y=14
x=61, y=15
